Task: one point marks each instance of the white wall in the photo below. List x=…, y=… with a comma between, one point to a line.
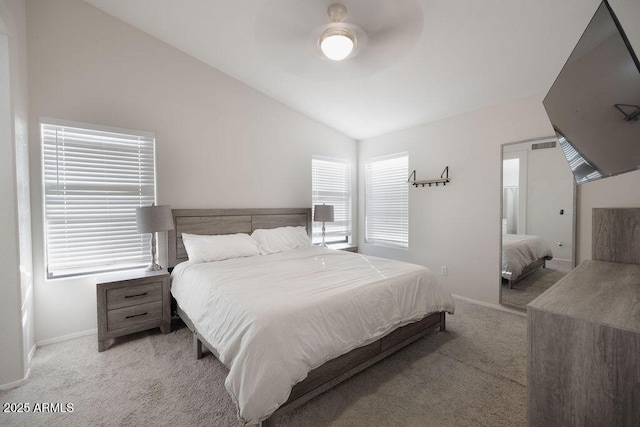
x=16, y=320
x=458, y=225
x=220, y=144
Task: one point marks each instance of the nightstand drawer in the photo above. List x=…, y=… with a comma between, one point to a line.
x=127, y=296
x=135, y=315
x=132, y=301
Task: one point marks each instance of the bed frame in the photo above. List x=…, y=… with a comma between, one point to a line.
x=331, y=373
x=531, y=268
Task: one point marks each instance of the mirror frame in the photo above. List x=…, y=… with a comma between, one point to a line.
x=574, y=214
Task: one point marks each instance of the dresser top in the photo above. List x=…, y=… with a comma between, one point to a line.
x=606, y=293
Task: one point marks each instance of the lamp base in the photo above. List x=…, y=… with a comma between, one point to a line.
x=153, y=267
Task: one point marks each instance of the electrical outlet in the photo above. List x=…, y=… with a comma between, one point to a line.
x=443, y=270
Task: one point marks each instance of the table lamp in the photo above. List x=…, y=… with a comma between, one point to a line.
x=151, y=219
x=323, y=213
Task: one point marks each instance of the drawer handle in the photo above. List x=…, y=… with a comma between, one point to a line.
x=136, y=315
x=136, y=295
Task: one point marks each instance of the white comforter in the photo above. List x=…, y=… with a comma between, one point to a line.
x=274, y=318
x=520, y=250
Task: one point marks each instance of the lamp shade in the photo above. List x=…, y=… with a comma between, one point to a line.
x=323, y=213
x=150, y=219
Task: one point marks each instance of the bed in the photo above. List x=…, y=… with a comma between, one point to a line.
x=291, y=325
x=522, y=255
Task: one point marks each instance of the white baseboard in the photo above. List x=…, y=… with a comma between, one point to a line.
x=486, y=304
x=16, y=383
x=26, y=377
x=67, y=337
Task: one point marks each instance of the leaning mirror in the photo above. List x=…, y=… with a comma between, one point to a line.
x=538, y=206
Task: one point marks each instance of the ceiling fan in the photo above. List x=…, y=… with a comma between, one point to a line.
x=337, y=41
x=310, y=38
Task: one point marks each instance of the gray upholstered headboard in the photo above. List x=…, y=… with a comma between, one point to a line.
x=229, y=221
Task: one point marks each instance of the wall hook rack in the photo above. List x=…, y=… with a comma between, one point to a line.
x=444, y=179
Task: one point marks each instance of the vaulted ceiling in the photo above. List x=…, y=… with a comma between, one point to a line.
x=421, y=60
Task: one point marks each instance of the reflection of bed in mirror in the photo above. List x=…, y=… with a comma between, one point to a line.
x=522, y=255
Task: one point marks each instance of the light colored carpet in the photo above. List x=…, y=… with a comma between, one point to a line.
x=473, y=374
x=529, y=288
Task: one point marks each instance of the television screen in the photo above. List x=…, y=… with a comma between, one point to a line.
x=594, y=103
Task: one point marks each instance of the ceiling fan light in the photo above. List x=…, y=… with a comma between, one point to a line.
x=337, y=43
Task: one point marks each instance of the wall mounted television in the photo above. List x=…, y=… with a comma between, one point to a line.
x=594, y=103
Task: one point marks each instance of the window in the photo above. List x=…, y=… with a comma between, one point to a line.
x=387, y=200
x=331, y=185
x=93, y=179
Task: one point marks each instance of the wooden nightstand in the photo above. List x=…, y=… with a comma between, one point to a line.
x=132, y=302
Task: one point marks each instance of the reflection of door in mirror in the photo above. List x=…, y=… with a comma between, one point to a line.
x=537, y=219
x=514, y=192
x=510, y=200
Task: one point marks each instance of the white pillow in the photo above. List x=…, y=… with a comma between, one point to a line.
x=274, y=240
x=203, y=248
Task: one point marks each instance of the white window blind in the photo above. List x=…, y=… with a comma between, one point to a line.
x=331, y=185
x=387, y=200
x=93, y=181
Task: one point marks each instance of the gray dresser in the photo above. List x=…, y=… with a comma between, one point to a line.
x=583, y=355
